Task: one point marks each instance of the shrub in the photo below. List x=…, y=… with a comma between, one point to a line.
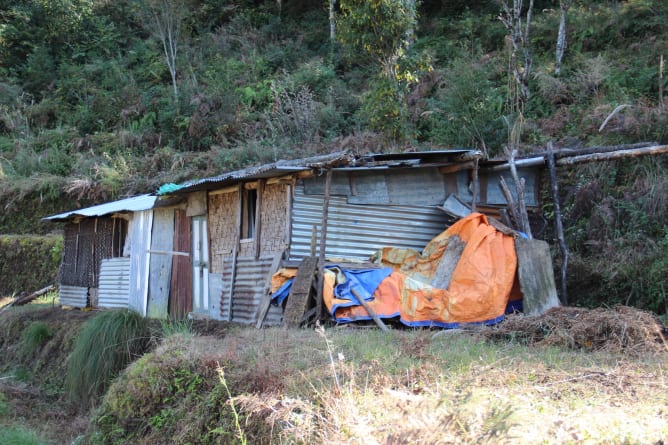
x=35, y=335
x=19, y=436
x=106, y=344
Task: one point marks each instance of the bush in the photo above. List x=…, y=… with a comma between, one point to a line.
x=19, y=436
x=34, y=336
x=105, y=346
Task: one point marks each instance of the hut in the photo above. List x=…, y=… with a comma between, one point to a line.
x=252, y=221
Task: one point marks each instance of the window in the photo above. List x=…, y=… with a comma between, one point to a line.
x=248, y=214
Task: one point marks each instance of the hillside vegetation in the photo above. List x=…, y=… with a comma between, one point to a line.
x=572, y=376
x=103, y=99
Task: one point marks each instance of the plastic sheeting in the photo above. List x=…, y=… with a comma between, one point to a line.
x=482, y=285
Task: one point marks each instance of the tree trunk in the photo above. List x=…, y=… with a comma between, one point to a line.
x=561, y=37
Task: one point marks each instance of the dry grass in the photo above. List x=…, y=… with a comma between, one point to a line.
x=621, y=329
x=406, y=387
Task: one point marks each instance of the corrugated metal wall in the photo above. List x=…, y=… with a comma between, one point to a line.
x=114, y=290
x=357, y=231
x=74, y=296
x=140, y=240
x=251, y=275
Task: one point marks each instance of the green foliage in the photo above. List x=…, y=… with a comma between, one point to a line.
x=384, y=110
x=27, y=263
x=19, y=436
x=377, y=29
x=616, y=230
x=105, y=345
x=468, y=110
x=35, y=336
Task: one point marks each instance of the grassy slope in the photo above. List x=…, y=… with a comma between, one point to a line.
x=339, y=385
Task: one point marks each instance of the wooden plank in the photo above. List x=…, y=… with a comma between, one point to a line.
x=449, y=260
x=298, y=298
x=536, y=276
x=160, y=266
x=180, y=291
x=266, y=296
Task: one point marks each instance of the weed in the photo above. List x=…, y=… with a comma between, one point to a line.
x=35, y=336
x=176, y=327
x=237, y=425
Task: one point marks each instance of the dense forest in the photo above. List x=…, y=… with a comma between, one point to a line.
x=102, y=99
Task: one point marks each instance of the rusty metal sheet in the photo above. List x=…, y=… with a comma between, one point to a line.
x=249, y=286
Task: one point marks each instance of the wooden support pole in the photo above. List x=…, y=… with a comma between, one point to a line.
x=323, y=245
x=235, y=248
x=511, y=203
x=611, y=156
x=476, y=186
x=258, y=218
x=521, y=202
x=370, y=311
x=563, y=248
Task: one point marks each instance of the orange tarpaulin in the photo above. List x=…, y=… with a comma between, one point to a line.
x=480, y=288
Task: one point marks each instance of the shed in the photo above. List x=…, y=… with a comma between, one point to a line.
x=254, y=220
x=102, y=254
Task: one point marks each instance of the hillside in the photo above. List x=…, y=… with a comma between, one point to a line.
x=596, y=377
x=100, y=100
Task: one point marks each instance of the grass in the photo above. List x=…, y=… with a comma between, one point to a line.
x=363, y=386
x=107, y=343
x=35, y=335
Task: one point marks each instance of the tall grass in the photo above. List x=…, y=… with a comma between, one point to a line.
x=105, y=346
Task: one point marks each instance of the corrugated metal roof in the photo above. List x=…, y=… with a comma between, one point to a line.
x=274, y=169
x=134, y=204
x=421, y=156
x=340, y=160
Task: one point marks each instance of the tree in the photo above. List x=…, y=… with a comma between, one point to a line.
x=168, y=17
x=382, y=30
x=512, y=18
x=564, y=5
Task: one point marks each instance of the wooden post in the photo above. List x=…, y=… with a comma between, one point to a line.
x=474, y=198
x=511, y=203
x=563, y=248
x=521, y=203
x=258, y=218
x=235, y=251
x=323, y=245
x=370, y=311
